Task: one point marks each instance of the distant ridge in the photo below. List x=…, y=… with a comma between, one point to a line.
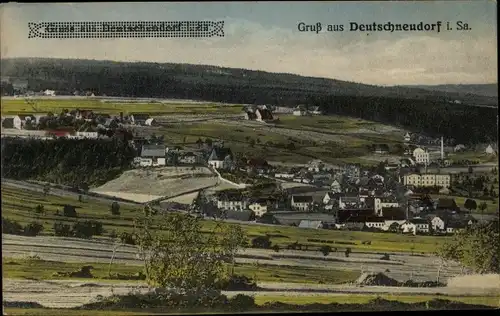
x=148, y=79
x=487, y=90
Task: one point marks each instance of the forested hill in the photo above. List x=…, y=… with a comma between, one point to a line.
x=197, y=82
x=418, y=110
x=487, y=90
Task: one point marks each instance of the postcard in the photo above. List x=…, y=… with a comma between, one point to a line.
x=227, y=157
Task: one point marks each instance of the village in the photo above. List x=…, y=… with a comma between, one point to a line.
x=389, y=197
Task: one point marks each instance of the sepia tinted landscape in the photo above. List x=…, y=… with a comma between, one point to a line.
x=146, y=187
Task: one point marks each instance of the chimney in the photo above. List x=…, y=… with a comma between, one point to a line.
x=442, y=148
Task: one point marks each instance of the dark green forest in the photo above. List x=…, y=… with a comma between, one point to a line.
x=65, y=161
x=419, y=110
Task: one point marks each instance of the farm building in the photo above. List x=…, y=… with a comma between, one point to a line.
x=302, y=110
x=21, y=120
x=260, y=115
x=316, y=111
x=152, y=156
x=139, y=118
x=491, y=149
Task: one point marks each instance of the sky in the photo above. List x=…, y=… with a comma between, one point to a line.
x=265, y=36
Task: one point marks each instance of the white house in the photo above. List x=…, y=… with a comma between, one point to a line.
x=91, y=135
x=284, y=175
x=335, y=187
x=150, y=122
x=300, y=110
x=415, y=226
x=491, y=150
x=328, y=197
x=259, y=208
x=316, y=111
x=49, y=92
x=232, y=202
x=21, y=120
x=378, y=223
x=421, y=156
x=407, y=137
x=152, y=156
x=302, y=202
x=438, y=224
x=315, y=165
x=459, y=147
x=220, y=158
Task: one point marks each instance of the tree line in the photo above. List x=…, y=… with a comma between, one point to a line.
x=65, y=161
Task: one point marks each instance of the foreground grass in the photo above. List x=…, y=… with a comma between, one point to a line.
x=363, y=302
x=493, y=301
x=16, y=106
x=45, y=270
x=19, y=205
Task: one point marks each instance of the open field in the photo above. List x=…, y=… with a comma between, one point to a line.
x=44, y=270
x=299, y=263
x=67, y=294
x=13, y=106
x=143, y=185
x=482, y=157
x=18, y=205
x=345, y=140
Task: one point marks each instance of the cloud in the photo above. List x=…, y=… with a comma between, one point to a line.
x=381, y=60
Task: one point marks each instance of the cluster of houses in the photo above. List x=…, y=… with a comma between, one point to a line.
x=302, y=110
x=76, y=123
x=348, y=197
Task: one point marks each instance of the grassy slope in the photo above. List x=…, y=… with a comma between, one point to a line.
x=44, y=270
x=460, y=200
x=19, y=204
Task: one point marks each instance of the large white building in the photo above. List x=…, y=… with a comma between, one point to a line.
x=380, y=203
x=421, y=156
x=427, y=180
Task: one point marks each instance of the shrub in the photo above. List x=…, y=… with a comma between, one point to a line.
x=127, y=238
x=325, y=250
x=33, y=229
x=238, y=283
x=261, y=242
x=242, y=302
x=115, y=208
x=39, y=209
x=69, y=211
x=83, y=229
x=62, y=230
x=11, y=227
x=97, y=229
x=347, y=252
x=276, y=248
x=113, y=234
